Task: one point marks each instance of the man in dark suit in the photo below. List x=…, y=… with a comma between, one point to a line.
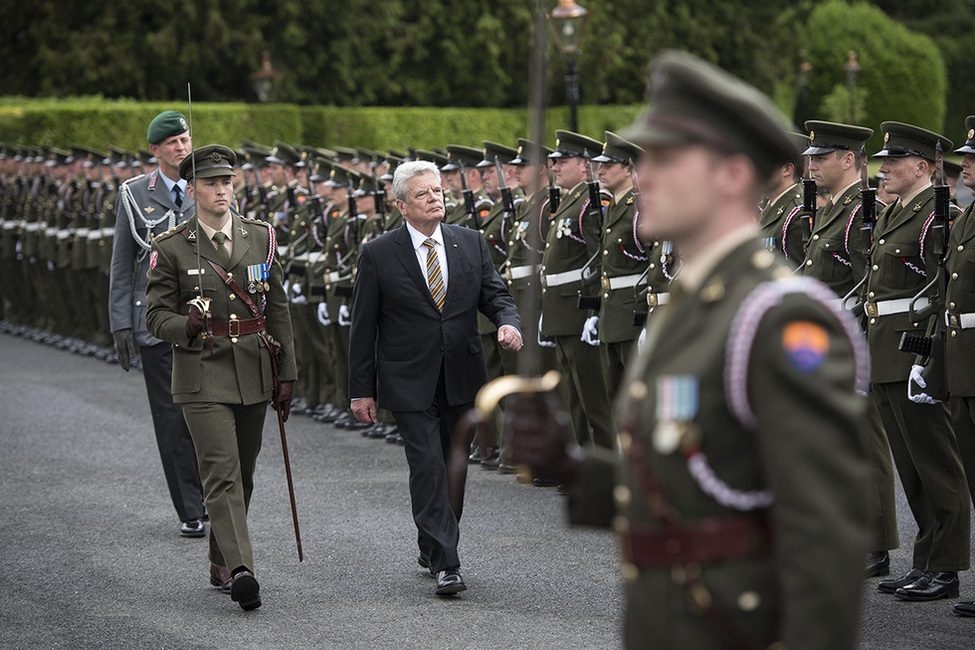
x=148, y=206
x=415, y=349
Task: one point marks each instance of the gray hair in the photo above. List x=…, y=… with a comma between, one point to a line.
x=408, y=170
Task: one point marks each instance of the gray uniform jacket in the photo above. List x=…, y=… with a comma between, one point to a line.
x=144, y=209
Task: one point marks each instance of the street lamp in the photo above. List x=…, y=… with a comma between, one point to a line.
x=802, y=103
x=263, y=80
x=568, y=21
x=852, y=68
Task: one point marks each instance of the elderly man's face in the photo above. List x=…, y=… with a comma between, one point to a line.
x=424, y=206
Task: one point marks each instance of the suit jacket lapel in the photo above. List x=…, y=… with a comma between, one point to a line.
x=453, y=264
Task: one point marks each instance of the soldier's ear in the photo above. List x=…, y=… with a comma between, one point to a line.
x=189, y=191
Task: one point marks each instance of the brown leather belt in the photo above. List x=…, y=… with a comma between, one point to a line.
x=704, y=541
x=237, y=327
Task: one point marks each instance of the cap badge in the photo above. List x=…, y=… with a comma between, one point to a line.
x=215, y=157
x=812, y=135
x=971, y=133
x=182, y=123
x=886, y=137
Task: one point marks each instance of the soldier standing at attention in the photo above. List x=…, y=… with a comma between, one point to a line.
x=224, y=362
x=780, y=224
x=146, y=207
x=837, y=257
x=740, y=493
x=921, y=439
x=960, y=342
x=571, y=267
x=624, y=261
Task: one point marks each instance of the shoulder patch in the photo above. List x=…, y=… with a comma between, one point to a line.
x=153, y=258
x=805, y=344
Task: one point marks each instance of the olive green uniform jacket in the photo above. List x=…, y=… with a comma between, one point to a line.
x=237, y=371
x=781, y=226
x=783, y=424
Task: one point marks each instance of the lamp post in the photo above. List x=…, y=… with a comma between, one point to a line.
x=263, y=80
x=852, y=68
x=568, y=21
x=802, y=103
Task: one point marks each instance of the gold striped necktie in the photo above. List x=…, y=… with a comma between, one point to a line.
x=434, y=276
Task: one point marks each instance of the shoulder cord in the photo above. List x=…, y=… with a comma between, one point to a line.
x=127, y=200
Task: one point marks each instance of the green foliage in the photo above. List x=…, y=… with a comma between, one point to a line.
x=835, y=106
x=902, y=71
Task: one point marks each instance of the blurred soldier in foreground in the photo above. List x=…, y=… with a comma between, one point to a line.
x=741, y=488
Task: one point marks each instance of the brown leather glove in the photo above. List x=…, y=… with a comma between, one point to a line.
x=194, y=322
x=282, y=398
x=537, y=434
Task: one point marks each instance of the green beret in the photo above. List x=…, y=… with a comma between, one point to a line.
x=693, y=101
x=902, y=140
x=969, y=146
x=166, y=125
x=826, y=137
x=618, y=150
x=209, y=161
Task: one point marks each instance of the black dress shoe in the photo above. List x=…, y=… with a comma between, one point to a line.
x=424, y=562
x=543, y=482
x=449, y=582
x=245, y=591
x=220, y=577
x=966, y=608
x=931, y=586
x=192, y=528
x=878, y=564
x=376, y=431
x=892, y=585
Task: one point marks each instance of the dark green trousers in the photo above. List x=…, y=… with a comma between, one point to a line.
x=227, y=438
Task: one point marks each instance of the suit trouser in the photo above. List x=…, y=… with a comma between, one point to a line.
x=884, y=506
x=929, y=465
x=427, y=437
x=582, y=372
x=172, y=436
x=963, y=423
x=228, y=440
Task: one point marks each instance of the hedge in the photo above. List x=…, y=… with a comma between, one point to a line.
x=95, y=122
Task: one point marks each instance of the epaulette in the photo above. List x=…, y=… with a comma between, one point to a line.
x=169, y=233
x=134, y=178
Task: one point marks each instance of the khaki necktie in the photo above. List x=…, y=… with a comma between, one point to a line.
x=434, y=276
x=223, y=256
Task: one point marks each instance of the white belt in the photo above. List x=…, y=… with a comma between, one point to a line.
x=94, y=233
x=301, y=258
x=83, y=232
x=558, y=279
x=961, y=321
x=9, y=225
x=108, y=231
x=316, y=257
x=334, y=276
x=890, y=307
x=657, y=299
x=51, y=232
x=624, y=281
x=62, y=234
x=519, y=272
x=32, y=226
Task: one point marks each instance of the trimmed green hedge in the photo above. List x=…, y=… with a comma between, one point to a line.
x=95, y=122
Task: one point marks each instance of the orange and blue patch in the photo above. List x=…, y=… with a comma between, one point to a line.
x=806, y=345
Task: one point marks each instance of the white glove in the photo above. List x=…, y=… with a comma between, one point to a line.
x=299, y=300
x=541, y=343
x=590, y=331
x=345, y=316
x=296, y=288
x=323, y=317
x=641, y=340
x=917, y=378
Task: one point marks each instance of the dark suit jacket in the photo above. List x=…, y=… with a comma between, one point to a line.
x=399, y=339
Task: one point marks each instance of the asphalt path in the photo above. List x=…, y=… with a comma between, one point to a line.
x=90, y=555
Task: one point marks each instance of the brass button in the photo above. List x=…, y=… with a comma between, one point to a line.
x=951, y=305
x=749, y=601
x=873, y=321
x=605, y=253
x=875, y=267
x=881, y=242
x=233, y=317
x=960, y=248
x=954, y=333
x=233, y=339
x=638, y=390
x=815, y=237
x=871, y=295
x=897, y=250
x=954, y=276
x=233, y=296
x=808, y=262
